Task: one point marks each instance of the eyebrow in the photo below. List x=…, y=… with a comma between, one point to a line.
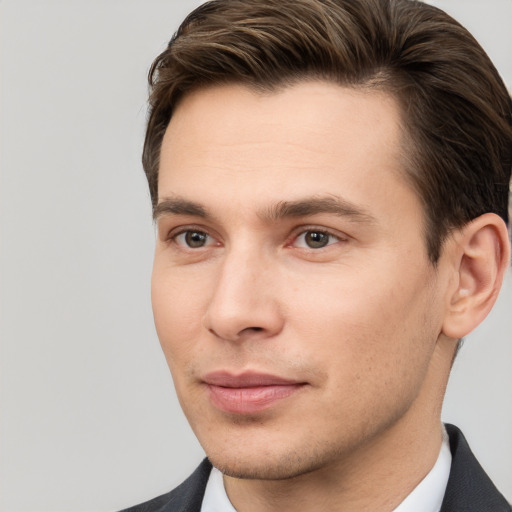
x=178, y=206
x=317, y=205
x=283, y=209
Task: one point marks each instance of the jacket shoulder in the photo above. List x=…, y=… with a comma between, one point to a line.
x=187, y=497
x=469, y=488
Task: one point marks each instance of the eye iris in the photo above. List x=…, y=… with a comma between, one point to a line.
x=316, y=239
x=195, y=238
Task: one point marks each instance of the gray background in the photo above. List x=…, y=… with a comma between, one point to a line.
x=89, y=421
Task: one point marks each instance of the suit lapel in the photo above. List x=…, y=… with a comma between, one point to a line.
x=187, y=497
x=469, y=489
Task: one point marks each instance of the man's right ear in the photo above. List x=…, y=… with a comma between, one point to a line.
x=481, y=256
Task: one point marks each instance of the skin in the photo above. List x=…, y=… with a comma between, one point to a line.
x=362, y=320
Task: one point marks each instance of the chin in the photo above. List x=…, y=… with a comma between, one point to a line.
x=268, y=464
x=268, y=470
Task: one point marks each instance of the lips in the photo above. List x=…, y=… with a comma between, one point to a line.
x=248, y=392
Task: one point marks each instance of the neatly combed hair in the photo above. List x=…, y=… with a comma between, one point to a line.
x=456, y=111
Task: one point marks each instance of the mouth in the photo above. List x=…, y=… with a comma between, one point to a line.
x=248, y=392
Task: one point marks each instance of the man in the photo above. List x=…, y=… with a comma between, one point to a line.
x=330, y=185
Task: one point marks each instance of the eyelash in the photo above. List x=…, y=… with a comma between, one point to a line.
x=318, y=231
x=174, y=236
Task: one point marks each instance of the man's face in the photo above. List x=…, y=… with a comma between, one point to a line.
x=292, y=293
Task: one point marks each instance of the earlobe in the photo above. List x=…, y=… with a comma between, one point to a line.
x=482, y=253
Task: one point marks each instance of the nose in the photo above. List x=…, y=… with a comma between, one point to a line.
x=244, y=303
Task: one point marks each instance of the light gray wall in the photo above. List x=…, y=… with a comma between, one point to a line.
x=89, y=421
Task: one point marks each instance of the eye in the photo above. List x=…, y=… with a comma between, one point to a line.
x=315, y=239
x=193, y=239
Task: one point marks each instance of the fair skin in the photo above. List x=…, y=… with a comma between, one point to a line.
x=309, y=337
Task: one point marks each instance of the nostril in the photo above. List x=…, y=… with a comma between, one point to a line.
x=253, y=329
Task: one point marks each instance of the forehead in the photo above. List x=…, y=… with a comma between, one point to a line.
x=314, y=137
x=304, y=112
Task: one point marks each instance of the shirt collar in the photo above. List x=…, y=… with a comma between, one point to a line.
x=215, y=497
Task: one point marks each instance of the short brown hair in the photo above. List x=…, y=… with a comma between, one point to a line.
x=456, y=111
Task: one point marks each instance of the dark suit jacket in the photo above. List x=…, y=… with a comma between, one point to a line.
x=469, y=488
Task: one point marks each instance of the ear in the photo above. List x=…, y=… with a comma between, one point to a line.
x=481, y=254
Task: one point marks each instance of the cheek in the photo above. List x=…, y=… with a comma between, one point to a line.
x=373, y=353
x=363, y=327
x=177, y=311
